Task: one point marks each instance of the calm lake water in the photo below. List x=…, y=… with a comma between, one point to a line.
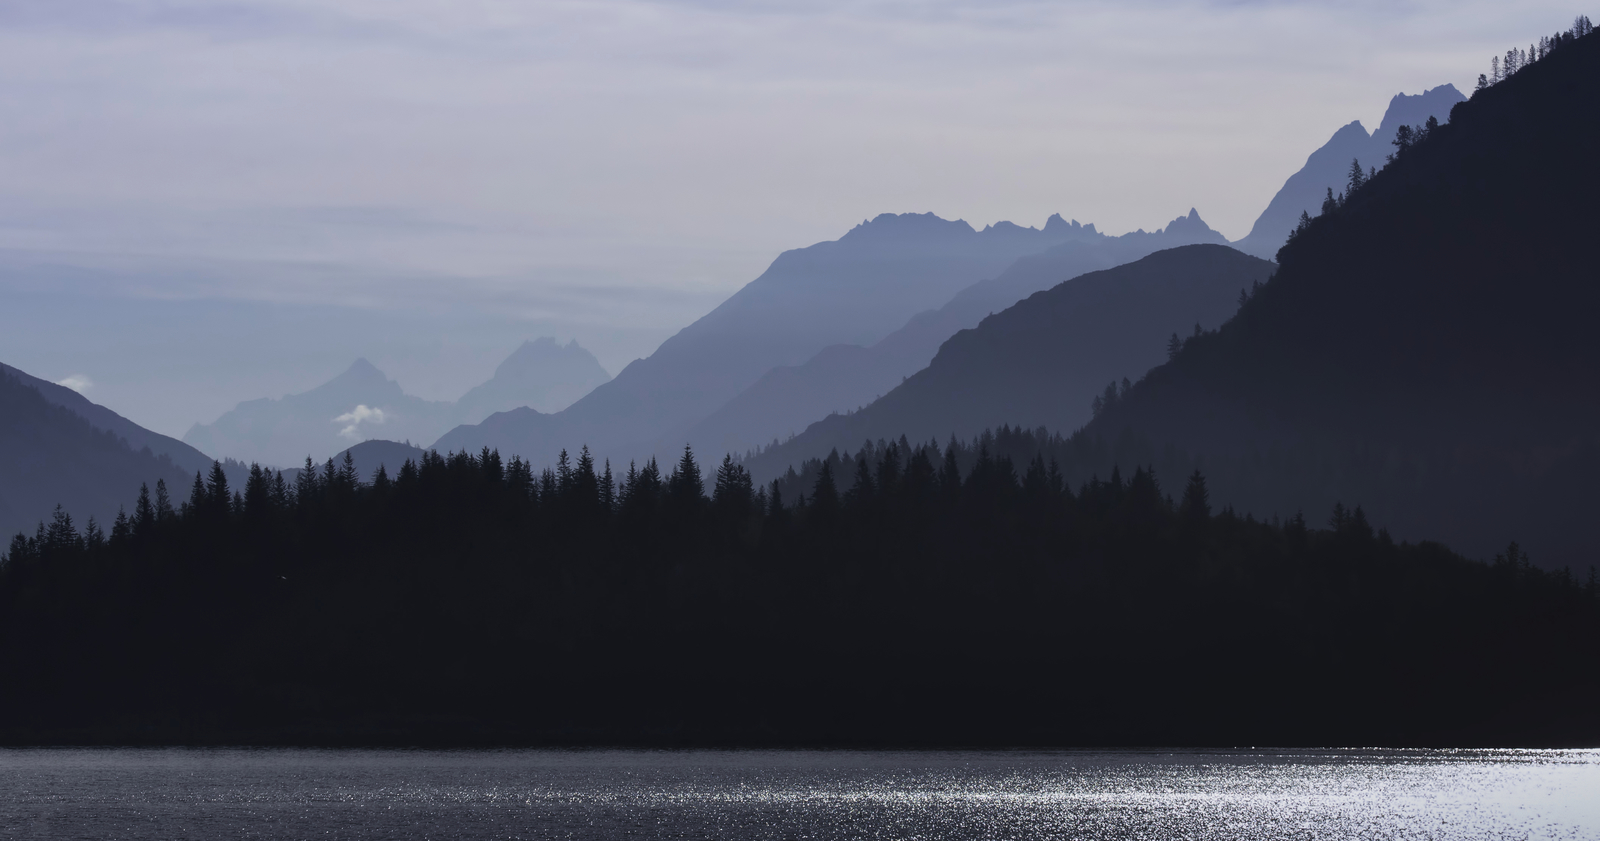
x=228, y=793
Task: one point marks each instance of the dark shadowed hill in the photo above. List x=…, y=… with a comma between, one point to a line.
x=1329, y=166
x=1427, y=350
x=50, y=455
x=184, y=456
x=844, y=377
x=541, y=374
x=1043, y=361
x=854, y=290
x=390, y=455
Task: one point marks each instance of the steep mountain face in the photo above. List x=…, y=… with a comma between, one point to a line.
x=1426, y=350
x=541, y=374
x=358, y=404
x=854, y=290
x=1329, y=167
x=184, y=456
x=50, y=455
x=845, y=377
x=1043, y=361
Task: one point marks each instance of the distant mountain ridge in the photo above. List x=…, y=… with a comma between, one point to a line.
x=359, y=403
x=363, y=403
x=1329, y=166
x=853, y=290
x=541, y=374
x=1043, y=361
x=844, y=377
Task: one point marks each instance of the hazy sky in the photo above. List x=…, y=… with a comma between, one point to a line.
x=203, y=202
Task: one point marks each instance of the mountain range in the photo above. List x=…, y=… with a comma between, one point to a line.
x=1421, y=354
x=363, y=403
x=844, y=377
x=826, y=329
x=888, y=274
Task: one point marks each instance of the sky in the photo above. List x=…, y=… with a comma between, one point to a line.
x=208, y=202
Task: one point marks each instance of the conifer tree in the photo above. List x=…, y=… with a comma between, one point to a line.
x=824, y=494
x=608, y=490
x=93, y=537
x=144, y=514
x=217, y=497
x=862, y=490
x=121, y=530
x=1196, y=503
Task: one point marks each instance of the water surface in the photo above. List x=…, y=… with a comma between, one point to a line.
x=272, y=793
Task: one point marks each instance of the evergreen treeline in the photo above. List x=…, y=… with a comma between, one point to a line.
x=1517, y=59
x=910, y=598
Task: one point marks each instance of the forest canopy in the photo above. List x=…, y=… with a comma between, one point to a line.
x=909, y=599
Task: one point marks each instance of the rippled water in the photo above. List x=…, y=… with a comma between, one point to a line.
x=173, y=793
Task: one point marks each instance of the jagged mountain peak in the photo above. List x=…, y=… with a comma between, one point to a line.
x=360, y=371
x=1414, y=109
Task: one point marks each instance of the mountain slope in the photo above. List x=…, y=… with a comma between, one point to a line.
x=854, y=290
x=1043, y=361
x=359, y=403
x=184, y=456
x=844, y=377
x=1329, y=167
x=540, y=374
x=51, y=455
x=1425, y=351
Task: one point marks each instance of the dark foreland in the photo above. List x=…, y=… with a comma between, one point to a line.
x=1420, y=358
x=467, y=599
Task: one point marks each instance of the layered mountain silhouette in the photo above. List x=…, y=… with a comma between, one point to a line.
x=844, y=377
x=1425, y=351
x=1043, y=361
x=363, y=403
x=358, y=404
x=51, y=454
x=541, y=374
x=854, y=290
x=182, y=455
x=1329, y=167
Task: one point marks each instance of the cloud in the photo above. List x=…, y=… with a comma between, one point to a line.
x=77, y=382
x=357, y=416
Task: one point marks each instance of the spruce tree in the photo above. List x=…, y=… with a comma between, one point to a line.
x=1196, y=505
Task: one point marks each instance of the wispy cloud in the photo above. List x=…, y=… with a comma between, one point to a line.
x=77, y=382
x=357, y=416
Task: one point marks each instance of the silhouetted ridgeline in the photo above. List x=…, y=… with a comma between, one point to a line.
x=908, y=601
x=1426, y=346
x=54, y=450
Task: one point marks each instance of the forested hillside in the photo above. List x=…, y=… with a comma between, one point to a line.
x=1425, y=348
x=51, y=455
